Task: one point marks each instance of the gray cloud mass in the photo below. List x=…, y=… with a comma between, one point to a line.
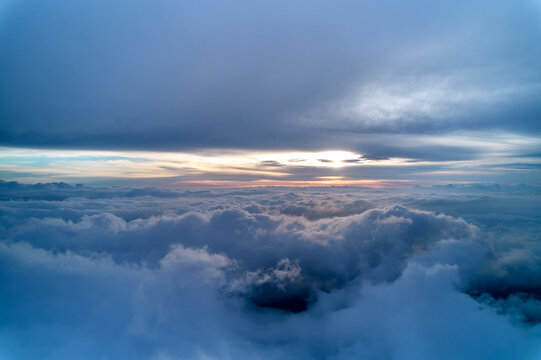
x=242, y=74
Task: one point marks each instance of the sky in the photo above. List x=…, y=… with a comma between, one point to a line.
x=254, y=93
x=196, y=180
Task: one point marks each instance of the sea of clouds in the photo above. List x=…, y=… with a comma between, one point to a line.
x=450, y=272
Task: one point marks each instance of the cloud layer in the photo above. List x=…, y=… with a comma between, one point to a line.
x=270, y=274
x=303, y=75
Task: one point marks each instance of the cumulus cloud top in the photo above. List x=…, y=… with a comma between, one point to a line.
x=340, y=273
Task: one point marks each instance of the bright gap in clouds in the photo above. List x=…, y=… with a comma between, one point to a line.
x=469, y=157
x=263, y=168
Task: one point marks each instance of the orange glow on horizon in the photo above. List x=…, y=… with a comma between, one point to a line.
x=375, y=183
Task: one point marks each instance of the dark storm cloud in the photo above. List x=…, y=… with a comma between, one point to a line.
x=177, y=75
x=320, y=273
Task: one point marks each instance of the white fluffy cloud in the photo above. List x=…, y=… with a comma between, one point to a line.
x=239, y=275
